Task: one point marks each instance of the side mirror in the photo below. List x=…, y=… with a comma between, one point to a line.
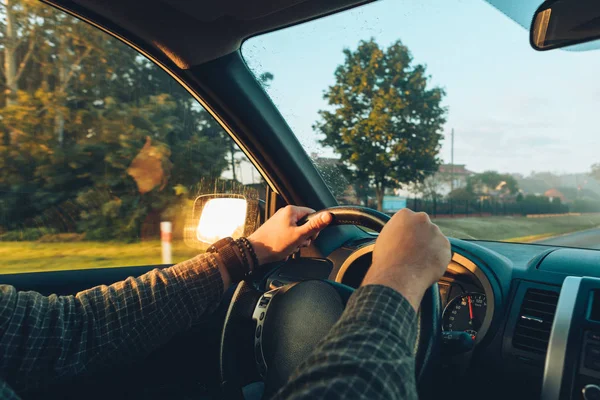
x=217, y=216
x=561, y=23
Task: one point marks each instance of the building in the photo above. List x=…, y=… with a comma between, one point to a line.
x=553, y=193
x=441, y=183
x=452, y=177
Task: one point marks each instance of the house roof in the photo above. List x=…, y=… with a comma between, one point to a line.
x=554, y=193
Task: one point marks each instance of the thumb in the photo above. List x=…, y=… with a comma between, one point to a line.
x=315, y=224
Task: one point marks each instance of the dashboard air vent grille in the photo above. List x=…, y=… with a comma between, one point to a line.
x=532, y=331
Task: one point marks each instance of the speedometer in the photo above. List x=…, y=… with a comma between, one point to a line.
x=465, y=313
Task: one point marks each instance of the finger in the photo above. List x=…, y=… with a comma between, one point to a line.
x=315, y=225
x=405, y=211
x=300, y=212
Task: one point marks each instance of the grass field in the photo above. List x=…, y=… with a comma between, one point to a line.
x=517, y=229
x=16, y=257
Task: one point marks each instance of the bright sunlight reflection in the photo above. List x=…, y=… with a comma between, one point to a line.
x=221, y=218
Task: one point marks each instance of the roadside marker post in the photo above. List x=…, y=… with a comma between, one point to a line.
x=165, y=240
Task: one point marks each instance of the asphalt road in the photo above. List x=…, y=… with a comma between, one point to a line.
x=589, y=239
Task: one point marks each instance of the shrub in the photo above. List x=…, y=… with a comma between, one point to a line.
x=62, y=237
x=28, y=234
x=586, y=206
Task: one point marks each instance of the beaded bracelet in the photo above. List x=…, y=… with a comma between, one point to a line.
x=242, y=252
x=233, y=258
x=252, y=252
x=234, y=255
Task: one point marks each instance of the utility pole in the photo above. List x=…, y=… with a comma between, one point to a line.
x=452, y=160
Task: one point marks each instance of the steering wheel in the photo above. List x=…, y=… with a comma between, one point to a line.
x=266, y=335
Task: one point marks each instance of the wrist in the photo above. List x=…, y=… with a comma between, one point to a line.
x=412, y=291
x=249, y=254
x=232, y=257
x=263, y=254
x=413, y=295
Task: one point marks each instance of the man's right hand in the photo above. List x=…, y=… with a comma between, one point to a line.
x=410, y=255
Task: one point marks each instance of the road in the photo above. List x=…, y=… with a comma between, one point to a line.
x=589, y=239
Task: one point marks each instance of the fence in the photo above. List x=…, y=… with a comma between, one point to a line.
x=483, y=208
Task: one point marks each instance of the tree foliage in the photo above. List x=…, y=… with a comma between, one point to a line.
x=461, y=194
x=432, y=186
x=492, y=183
x=384, y=119
x=83, y=108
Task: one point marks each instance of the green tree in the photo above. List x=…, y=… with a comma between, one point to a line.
x=461, y=194
x=431, y=186
x=84, y=108
x=492, y=183
x=17, y=43
x=335, y=176
x=384, y=120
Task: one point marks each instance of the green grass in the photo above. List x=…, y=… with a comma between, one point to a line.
x=18, y=257
x=516, y=229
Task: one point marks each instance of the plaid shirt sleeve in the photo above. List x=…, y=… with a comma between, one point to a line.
x=47, y=338
x=368, y=354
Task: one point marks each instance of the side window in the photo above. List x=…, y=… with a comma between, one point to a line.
x=98, y=146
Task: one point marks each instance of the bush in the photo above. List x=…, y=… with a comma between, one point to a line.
x=461, y=194
x=586, y=206
x=62, y=238
x=532, y=204
x=28, y=234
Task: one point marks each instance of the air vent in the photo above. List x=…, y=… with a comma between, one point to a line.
x=534, y=323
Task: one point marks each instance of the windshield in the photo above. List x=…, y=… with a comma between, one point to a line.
x=443, y=107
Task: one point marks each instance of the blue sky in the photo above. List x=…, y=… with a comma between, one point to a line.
x=513, y=109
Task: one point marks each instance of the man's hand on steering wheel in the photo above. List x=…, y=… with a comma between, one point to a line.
x=285, y=325
x=410, y=255
x=280, y=236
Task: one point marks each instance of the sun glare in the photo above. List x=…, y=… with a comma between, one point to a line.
x=221, y=218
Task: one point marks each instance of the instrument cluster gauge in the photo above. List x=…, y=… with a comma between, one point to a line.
x=465, y=313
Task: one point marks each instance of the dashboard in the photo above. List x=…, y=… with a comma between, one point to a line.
x=505, y=297
x=464, y=290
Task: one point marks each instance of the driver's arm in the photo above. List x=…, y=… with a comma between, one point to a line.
x=47, y=338
x=368, y=354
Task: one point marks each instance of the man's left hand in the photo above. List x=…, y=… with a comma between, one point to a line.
x=280, y=236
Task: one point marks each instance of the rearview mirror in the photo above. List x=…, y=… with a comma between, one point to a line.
x=561, y=23
x=218, y=216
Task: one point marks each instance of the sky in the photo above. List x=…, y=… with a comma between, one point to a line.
x=513, y=109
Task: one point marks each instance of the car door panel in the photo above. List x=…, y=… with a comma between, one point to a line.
x=72, y=281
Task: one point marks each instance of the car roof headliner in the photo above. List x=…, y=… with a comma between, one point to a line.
x=192, y=32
